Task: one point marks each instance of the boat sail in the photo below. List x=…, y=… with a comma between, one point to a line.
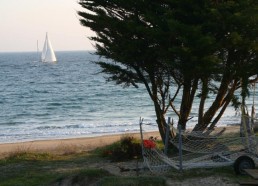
x=48, y=54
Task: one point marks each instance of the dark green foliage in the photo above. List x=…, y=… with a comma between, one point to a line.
x=129, y=148
x=197, y=48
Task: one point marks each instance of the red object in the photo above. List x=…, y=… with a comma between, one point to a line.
x=149, y=144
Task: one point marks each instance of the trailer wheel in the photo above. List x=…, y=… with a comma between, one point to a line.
x=243, y=162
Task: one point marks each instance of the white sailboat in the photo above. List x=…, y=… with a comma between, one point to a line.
x=48, y=54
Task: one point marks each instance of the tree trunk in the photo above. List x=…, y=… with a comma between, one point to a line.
x=189, y=91
x=161, y=121
x=216, y=105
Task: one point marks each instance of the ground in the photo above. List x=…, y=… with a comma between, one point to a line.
x=129, y=169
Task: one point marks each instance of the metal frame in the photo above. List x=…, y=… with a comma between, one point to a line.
x=209, y=160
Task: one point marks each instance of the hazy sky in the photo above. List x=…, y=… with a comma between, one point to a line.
x=23, y=22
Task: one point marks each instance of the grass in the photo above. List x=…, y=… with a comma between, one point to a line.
x=33, y=169
x=129, y=181
x=37, y=169
x=227, y=172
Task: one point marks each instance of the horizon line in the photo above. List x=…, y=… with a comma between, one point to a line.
x=86, y=50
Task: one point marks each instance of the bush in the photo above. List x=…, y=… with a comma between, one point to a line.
x=129, y=148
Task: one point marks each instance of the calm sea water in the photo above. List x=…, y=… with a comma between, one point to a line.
x=68, y=99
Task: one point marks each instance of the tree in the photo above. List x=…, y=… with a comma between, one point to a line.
x=197, y=47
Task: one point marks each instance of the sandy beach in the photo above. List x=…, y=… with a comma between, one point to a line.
x=62, y=146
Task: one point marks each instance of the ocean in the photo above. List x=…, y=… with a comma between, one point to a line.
x=70, y=99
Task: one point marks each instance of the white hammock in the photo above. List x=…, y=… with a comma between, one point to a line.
x=157, y=162
x=214, y=144
x=214, y=150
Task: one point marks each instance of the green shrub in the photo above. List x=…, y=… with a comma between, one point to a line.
x=129, y=148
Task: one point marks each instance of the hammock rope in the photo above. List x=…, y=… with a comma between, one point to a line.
x=201, y=150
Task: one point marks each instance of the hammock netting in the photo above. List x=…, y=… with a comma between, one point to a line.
x=201, y=149
x=196, y=142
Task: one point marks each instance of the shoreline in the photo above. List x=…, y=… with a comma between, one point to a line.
x=76, y=145
x=98, y=135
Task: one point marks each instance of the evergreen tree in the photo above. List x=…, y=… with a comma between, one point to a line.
x=195, y=47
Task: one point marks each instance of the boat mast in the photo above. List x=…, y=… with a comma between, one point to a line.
x=38, y=50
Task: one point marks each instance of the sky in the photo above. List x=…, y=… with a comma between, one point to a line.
x=24, y=22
